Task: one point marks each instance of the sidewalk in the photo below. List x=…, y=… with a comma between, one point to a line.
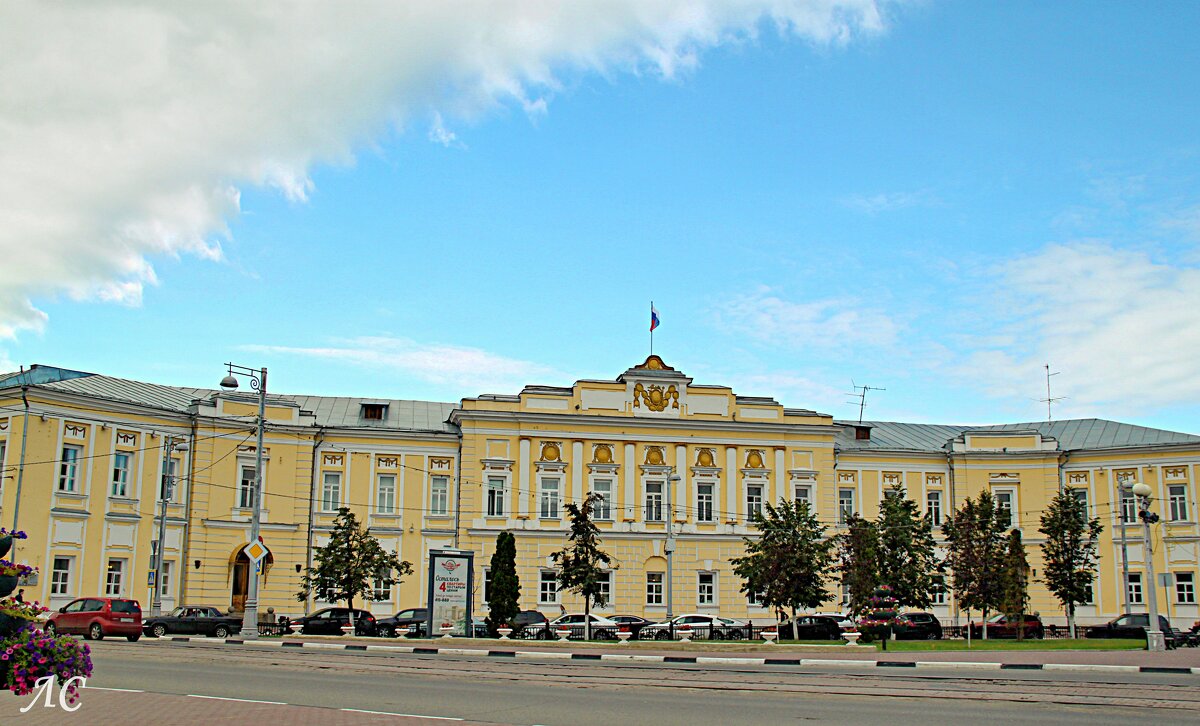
x=1186, y=660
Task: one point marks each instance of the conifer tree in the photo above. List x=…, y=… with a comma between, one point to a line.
x=1014, y=596
x=1069, y=552
x=583, y=564
x=504, y=593
x=907, y=556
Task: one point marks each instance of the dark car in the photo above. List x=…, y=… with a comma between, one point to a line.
x=411, y=620
x=193, y=620
x=329, y=621
x=530, y=624
x=1000, y=626
x=918, y=626
x=96, y=617
x=1130, y=625
x=811, y=627
x=632, y=623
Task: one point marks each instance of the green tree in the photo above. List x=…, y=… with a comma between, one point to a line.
x=583, y=565
x=907, y=556
x=975, y=540
x=787, y=562
x=1014, y=594
x=349, y=564
x=504, y=594
x=858, y=561
x=1069, y=552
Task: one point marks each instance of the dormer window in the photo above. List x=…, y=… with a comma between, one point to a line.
x=374, y=411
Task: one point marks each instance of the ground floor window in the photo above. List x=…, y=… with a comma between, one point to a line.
x=1185, y=588
x=60, y=576
x=1135, y=588
x=654, y=588
x=548, y=587
x=114, y=578
x=706, y=588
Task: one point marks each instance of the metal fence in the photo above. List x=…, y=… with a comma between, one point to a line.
x=747, y=632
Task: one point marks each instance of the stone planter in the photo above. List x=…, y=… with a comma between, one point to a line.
x=852, y=637
x=347, y=629
x=770, y=636
x=685, y=635
x=5, y=545
x=446, y=630
x=504, y=632
x=8, y=583
x=295, y=628
x=563, y=634
x=623, y=636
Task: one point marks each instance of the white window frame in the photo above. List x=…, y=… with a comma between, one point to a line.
x=1082, y=495
x=844, y=512
x=654, y=500
x=1128, y=506
x=172, y=474
x=122, y=464
x=1089, y=596
x=803, y=492
x=164, y=579
x=547, y=587
x=114, y=578
x=705, y=502
x=1177, y=503
x=439, y=496
x=706, y=589
x=378, y=589
x=605, y=586
x=603, y=486
x=1134, y=587
x=245, y=493
x=933, y=506
x=1013, y=513
x=68, y=471
x=654, y=588
x=754, y=502
x=1185, y=588
x=60, y=578
x=494, y=493
x=385, y=495
x=549, y=497
x=938, y=595
x=331, y=493
x=485, y=584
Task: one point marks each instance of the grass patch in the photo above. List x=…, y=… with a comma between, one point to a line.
x=1048, y=644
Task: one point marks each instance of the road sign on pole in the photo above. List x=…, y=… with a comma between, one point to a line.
x=256, y=551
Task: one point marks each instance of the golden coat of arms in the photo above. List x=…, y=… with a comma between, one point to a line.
x=655, y=397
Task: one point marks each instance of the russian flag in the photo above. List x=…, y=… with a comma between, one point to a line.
x=653, y=318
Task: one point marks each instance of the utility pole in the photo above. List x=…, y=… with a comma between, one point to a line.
x=21, y=465
x=670, y=548
x=1154, y=634
x=1121, y=488
x=169, y=445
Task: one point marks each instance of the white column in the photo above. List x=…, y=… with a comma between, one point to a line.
x=731, y=484
x=521, y=488
x=681, y=468
x=577, y=472
x=780, y=478
x=630, y=470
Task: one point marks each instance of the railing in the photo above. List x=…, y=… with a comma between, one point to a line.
x=653, y=632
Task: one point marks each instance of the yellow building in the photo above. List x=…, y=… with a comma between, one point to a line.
x=659, y=448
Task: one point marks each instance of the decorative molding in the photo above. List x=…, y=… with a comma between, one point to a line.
x=706, y=458
x=602, y=454
x=1004, y=477
x=892, y=477
x=3, y=424
x=550, y=451
x=439, y=464
x=847, y=477
x=933, y=480
x=125, y=438
x=1175, y=472
x=655, y=397
x=1125, y=475
x=326, y=459
x=802, y=475
x=387, y=462
x=75, y=431
x=497, y=465
x=754, y=459
x=1077, y=477
x=656, y=456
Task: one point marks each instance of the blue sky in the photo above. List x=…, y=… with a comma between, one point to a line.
x=937, y=200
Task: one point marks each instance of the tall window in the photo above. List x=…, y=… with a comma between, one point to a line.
x=1004, y=503
x=1177, y=496
x=169, y=485
x=487, y=585
x=706, y=588
x=604, y=587
x=164, y=579
x=120, y=476
x=1135, y=588
x=495, y=497
x=439, y=495
x=603, y=489
x=68, y=470
x=60, y=576
x=331, y=492
x=548, y=587
x=1081, y=496
x=933, y=507
x=845, y=504
x=1185, y=588
x=246, y=488
x=1089, y=594
x=937, y=595
x=114, y=578
x=754, y=499
x=385, y=494
x=1128, y=507
x=381, y=589
x=550, y=507
x=654, y=588
x=803, y=493
x=704, y=502
x=654, y=501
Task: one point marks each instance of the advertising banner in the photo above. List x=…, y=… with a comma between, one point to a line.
x=450, y=584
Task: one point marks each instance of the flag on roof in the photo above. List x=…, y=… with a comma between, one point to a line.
x=653, y=317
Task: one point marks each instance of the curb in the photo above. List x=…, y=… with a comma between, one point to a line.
x=698, y=659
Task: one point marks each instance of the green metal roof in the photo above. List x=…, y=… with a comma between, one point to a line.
x=1071, y=434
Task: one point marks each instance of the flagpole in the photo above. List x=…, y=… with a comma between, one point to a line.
x=651, y=327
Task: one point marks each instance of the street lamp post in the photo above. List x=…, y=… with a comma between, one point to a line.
x=1154, y=636
x=258, y=381
x=168, y=481
x=670, y=546
x=1123, y=487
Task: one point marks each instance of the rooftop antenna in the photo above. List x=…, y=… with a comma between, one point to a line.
x=1049, y=400
x=860, y=392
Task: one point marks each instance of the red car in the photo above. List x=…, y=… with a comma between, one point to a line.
x=96, y=617
x=999, y=627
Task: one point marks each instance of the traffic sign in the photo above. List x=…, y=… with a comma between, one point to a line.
x=255, y=551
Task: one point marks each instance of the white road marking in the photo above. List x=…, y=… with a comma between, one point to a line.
x=120, y=690
x=402, y=715
x=239, y=700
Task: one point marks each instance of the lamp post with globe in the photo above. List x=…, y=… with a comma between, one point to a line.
x=1154, y=635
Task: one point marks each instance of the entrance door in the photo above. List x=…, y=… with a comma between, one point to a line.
x=241, y=582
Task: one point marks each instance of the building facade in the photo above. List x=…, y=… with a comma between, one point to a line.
x=86, y=452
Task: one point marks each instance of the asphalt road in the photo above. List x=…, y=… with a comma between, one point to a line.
x=583, y=693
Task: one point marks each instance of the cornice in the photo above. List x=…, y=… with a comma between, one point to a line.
x=457, y=416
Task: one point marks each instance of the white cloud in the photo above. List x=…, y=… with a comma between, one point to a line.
x=127, y=128
x=469, y=370
x=1121, y=328
x=890, y=201
x=827, y=323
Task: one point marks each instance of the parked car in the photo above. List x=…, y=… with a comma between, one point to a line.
x=811, y=627
x=96, y=617
x=709, y=627
x=329, y=621
x=918, y=626
x=998, y=626
x=1130, y=625
x=530, y=624
x=402, y=622
x=632, y=623
x=844, y=622
x=602, y=628
x=193, y=620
